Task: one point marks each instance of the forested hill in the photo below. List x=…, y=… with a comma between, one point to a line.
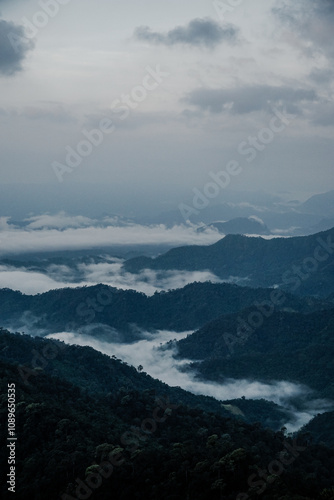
x=286, y=346
x=136, y=444
x=97, y=373
x=321, y=428
x=128, y=311
x=303, y=265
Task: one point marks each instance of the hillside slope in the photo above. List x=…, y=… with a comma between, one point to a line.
x=126, y=312
x=302, y=265
x=97, y=373
x=133, y=444
x=285, y=346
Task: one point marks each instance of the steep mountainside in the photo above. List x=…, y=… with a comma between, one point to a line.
x=284, y=346
x=125, y=312
x=321, y=428
x=97, y=373
x=134, y=444
x=302, y=265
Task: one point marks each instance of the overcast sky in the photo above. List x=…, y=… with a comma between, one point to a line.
x=204, y=81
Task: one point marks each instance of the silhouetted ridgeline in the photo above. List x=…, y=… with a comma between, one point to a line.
x=303, y=265
x=129, y=311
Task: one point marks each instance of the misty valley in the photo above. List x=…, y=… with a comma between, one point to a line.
x=166, y=250
x=228, y=344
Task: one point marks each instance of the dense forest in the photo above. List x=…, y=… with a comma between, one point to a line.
x=130, y=443
x=128, y=311
x=303, y=265
x=321, y=428
x=90, y=425
x=285, y=346
x=97, y=373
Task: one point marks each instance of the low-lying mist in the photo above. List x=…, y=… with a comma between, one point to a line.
x=161, y=364
x=36, y=253
x=110, y=273
x=63, y=233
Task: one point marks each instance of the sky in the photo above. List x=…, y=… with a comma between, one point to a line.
x=153, y=97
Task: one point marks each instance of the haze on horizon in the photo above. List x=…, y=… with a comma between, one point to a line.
x=177, y=92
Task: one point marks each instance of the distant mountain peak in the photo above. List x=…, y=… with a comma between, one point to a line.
x=240, y=225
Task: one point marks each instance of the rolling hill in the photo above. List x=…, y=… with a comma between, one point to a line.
x=303, y=265
x=75, y=441
x=97, y=373
x=126, y=312
x=284, y=346
x=322, y=204
x=195, y=303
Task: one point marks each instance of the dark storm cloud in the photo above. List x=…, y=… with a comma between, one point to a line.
x=312, y=23
x=300, y=11
x=312, y=20
x=199, y=32
x=248, y=99
x=324, y=7
x=13, y=47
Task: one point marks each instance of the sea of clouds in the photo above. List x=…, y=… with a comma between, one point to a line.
x=48, y=234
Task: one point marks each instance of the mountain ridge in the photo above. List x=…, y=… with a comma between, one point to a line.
x=127, y=311
x=279, y=348
x=306, y=262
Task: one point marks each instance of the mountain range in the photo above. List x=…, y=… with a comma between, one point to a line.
x=81, y=414
x=127, y=313
x=302, y=265
x=239, y=225
x=279, y=345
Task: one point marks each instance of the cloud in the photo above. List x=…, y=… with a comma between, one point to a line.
x=31, y=281
x=198, y=32
x=322, y=76
x=249, y=99
x=14, y=47
x=137, y=121
x=161, y=364
x=147, y=281
x=310, y=20
x=54, y=112
x=324, y=115
x=59, y=221
x=27, y=323
x=4, y=226
x=48, y=111
x=61, y=232
x=40, y=239
x=257, y=219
